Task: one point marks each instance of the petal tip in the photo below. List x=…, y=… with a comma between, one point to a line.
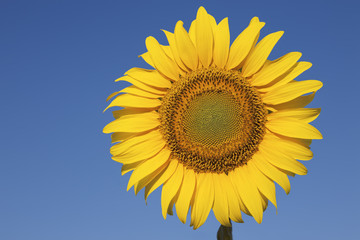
x=279, y=34
x=255, y=19
x=298, y=54
x=148, y=41
x=201, y=10
x=105, y=129
x=179, y=24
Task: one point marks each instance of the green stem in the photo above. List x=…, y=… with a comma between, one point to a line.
x=224, y=233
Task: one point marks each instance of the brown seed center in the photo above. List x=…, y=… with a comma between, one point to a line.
x=212, y=120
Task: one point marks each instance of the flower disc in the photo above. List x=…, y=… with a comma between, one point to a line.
x=213, y=120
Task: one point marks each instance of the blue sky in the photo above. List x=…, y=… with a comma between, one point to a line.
x=58, y=60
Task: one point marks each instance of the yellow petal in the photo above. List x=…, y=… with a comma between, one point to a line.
x=129, y=167
x=304, y=142
x=126, y=145
x=239, y=201
x=171, y=39
x=138, y=92
x=185, y=47
x=233, y=202
x=204, y=37
x=204, y=199
x=138, y=148
x=112, y=95
x=281, y=160
x=192, y=32
x=171, y=204
x=258, y=56
x=275, y=69
x=212, y=22
x=221, y=205
x=121, y=136
x=247, y=191
x=171, y=188
x=264, y=202
x=186, y=192
x=147, y=58
x=129, y=111
x=265, y=185
x=298, y=102
x=290, y=75
x=150, y=77
x=134, y=155
x=168, y=51
x=129, y=100
x=221, y=43
x=161, y=178
x=291, y=91
x=290, y=147
x=134, y=123
x=149, y=166
x=300, y=141
x=292, y=127
x=287, y=172
x=162, y=61
x=243, y=207
x=271, y=172
x=141, y=85
x=146, y=180
x=304, y=114
x=243, y=43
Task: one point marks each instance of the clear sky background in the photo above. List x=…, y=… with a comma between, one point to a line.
x=58, y=63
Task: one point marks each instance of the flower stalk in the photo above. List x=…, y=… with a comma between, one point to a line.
x=224, y=233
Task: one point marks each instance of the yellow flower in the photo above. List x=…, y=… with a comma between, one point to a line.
x=215, y=125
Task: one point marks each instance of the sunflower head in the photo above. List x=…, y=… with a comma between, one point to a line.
x=215, y=124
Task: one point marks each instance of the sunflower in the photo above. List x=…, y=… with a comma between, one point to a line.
x=215, y=125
